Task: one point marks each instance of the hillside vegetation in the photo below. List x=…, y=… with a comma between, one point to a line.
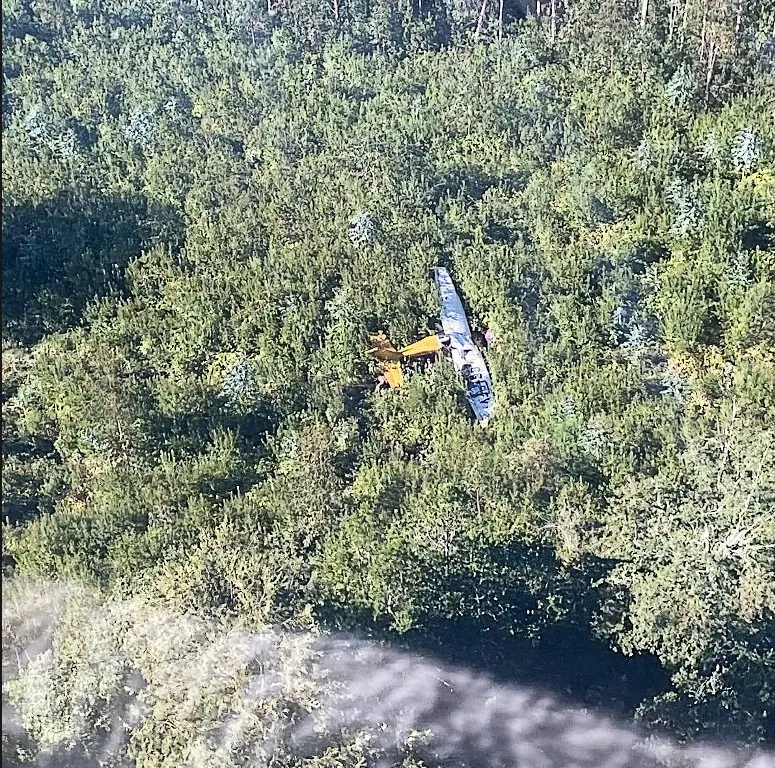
x=207, y=205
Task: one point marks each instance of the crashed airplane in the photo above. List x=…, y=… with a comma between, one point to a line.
x=456, y=340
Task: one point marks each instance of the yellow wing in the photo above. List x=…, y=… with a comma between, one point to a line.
x=422, y=347
x=393, y=375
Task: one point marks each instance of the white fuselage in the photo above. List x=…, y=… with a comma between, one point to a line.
x=466, y=357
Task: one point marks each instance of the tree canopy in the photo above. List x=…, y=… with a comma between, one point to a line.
x=207, y=205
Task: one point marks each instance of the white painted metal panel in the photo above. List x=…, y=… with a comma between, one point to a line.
x=466, y=357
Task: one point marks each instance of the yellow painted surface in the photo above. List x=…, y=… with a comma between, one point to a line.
x=393, y=375
x=422, y=347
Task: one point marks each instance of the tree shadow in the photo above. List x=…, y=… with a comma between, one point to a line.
x=758, y=234
x=69, y=250
x=503, y=627
x=31, y=481
x=561, y=653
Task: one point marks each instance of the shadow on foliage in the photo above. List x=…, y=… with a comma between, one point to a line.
x=494, y=233
x=647, y=253
x=471, y=184
x=523, y=618
x=514, y=637
x=758, y=235
x=68, y=250
x=30, y=481
x=565, y=659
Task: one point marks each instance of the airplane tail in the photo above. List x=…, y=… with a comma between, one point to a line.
x=383, y=349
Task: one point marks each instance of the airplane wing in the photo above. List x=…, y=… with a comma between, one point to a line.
x=453, y=316
x=466, y=357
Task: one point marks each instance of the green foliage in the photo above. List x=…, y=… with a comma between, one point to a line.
x=206, y=208
x=128, y=683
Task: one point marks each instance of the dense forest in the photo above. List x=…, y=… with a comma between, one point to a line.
x=206, y=207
